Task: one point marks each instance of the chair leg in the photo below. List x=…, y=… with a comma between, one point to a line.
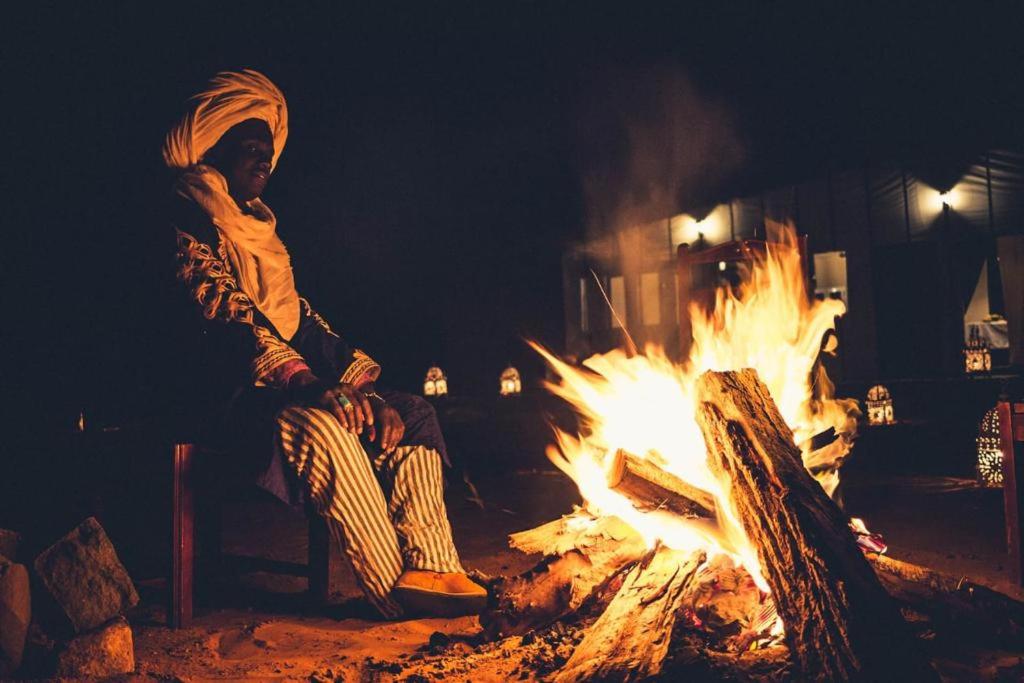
x=324, y=559
x=179, y=612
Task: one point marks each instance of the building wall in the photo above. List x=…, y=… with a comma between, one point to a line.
x=908, y=260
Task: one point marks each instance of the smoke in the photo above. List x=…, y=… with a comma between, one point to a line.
x=652, y=147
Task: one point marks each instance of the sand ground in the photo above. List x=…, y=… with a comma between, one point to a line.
x=262, y=626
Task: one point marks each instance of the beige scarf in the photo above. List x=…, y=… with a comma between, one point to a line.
x=258, y=257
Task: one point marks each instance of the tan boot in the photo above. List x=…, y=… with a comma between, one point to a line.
x=439, y=594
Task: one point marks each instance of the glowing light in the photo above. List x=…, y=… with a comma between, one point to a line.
x=714, y=227
x=990, y=451
x=879, y=406
x=977, y=357
x=932, y=202
x=435, y=383
x=511, y=385
x=645, y=404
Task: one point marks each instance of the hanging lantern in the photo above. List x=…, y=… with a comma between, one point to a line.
x=435, y=384
x=990, y=451
x=511, y=385
x=879, y=404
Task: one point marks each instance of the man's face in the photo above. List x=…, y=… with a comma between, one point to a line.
x=243, y=157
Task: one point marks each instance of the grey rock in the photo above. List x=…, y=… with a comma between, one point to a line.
x=15, y=614
x=108, y=651
x=85, y=577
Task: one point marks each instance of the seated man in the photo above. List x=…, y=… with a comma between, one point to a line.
x=369, y=461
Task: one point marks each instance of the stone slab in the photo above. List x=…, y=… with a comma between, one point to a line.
x=108, y=651
x=85, y=577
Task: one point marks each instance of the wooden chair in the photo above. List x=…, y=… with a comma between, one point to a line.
x=1011, y=437
x=186, y=497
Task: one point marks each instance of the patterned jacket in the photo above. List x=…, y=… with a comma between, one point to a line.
x=234, y=359
x=237, y=346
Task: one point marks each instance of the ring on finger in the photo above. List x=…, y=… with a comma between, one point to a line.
x=343, y=402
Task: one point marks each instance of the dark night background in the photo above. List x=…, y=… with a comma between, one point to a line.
x=433, y=172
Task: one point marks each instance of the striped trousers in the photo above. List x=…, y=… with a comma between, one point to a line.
x=388, y=513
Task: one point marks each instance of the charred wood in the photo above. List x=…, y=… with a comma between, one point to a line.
x=630, y=640
x=955, y=608
x=690, y=659
x=582, y=554
x=840, y=623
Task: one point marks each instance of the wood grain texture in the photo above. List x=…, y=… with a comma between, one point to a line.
x=840, y=622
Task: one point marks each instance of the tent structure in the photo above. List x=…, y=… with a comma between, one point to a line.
x=904, y=247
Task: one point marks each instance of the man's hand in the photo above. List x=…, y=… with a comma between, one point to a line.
x=343, y=400
x=349, y=405
x=389, y=427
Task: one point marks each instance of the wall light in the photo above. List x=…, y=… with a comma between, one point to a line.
x=933, y=202
x=714, y=227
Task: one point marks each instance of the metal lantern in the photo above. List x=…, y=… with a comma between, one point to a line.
x=435, y=384
x=976, y=356
x=879, y=405
x=511, y=385
x=990, y=451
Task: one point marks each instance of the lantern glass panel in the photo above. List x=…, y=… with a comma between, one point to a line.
x=435, y=383
x=879, y=406
x=510, y=383
x=990, y=451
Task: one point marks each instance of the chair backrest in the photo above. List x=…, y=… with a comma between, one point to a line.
x=1011, y=438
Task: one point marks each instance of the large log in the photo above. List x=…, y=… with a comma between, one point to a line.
x=651, y=488
x=630, y=640
x=955, y=608
x=840, y=623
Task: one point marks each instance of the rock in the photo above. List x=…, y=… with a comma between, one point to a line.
x=15, y=614
x=9, y=541
x=86, y=579
x=438, y=639
x=105, y=652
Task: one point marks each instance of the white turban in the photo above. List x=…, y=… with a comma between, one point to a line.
x=256, y=253
x=231, y=98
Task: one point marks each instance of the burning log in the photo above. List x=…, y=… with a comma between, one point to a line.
x=651, y=488
x=581, y=554
x=840, y=624
x=630, y=640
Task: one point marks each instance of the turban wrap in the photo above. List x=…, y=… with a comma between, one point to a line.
x=257, y=255
x=232, y=97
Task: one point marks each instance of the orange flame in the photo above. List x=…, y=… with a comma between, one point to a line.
x=645, y=404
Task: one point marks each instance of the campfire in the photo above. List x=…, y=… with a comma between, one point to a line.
x=708, y=530
x=646, y=406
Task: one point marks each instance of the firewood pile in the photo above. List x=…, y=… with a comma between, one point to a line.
x=605, y=604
